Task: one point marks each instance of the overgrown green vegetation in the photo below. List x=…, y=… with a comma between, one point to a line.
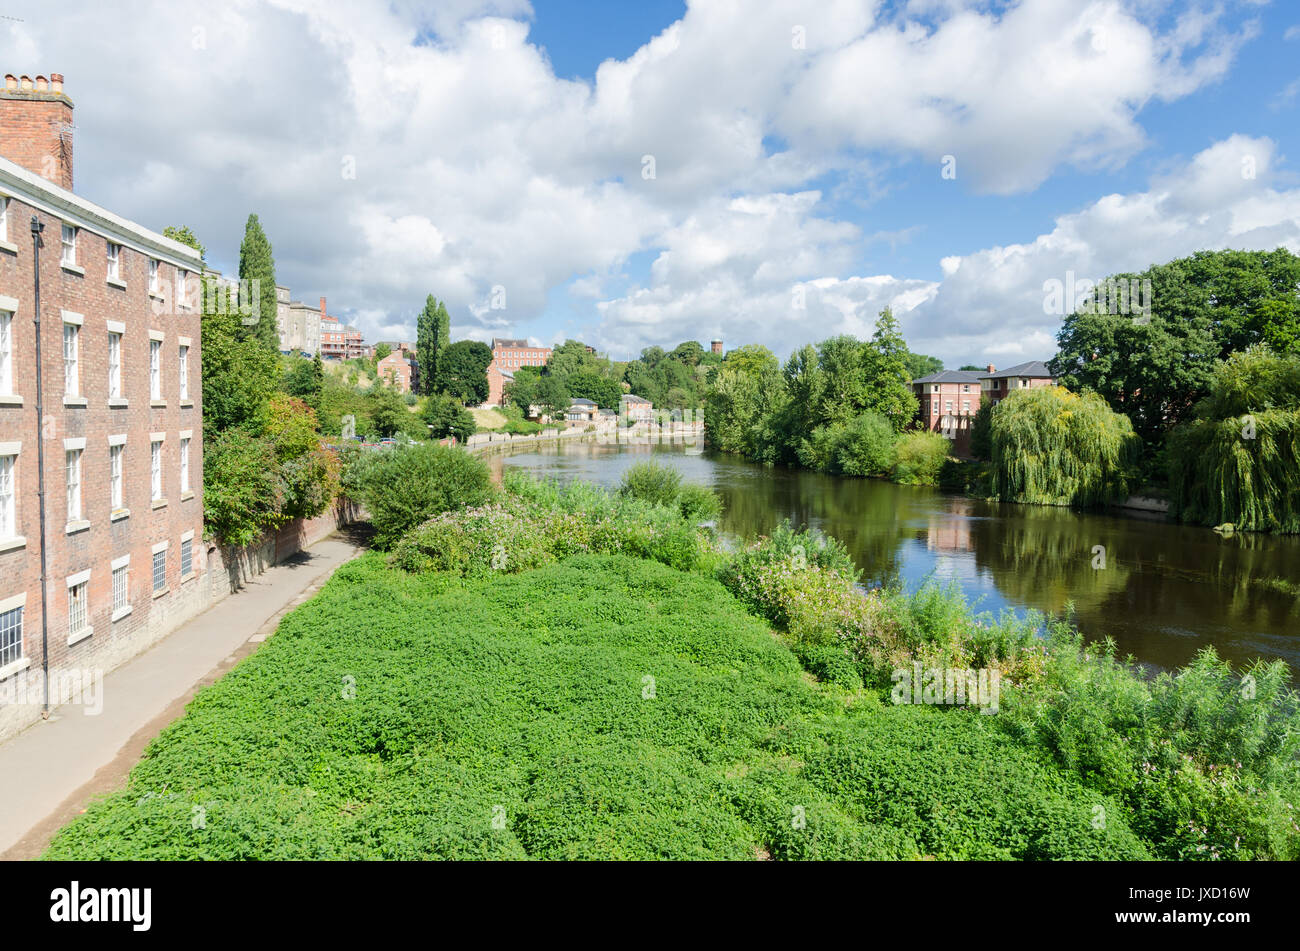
x=264, y=461
x=1237, y=460
x=567, y=672
x=402, y=487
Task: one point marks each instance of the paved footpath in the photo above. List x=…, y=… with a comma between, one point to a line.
x=54, y=767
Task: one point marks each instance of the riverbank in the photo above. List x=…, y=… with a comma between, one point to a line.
x=569, y=673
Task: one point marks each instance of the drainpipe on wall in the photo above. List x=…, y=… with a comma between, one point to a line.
x=37, y=244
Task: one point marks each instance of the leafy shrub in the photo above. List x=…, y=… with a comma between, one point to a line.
x=918, y=458
x=242, y=492
x=534, y=524
x=860, y=447
x=310, y=483
x=699, y=503
x=403, y=487
x=652, y=482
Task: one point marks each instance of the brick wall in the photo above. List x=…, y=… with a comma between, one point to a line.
x=83, y=296
x=36, y=127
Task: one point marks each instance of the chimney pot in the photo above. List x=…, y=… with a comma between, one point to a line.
x=41, y=84
x=992, y=368
x=56, y=82
x=11, y=81
x=25, y=82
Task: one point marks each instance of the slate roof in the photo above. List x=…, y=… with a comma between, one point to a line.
x=1034, y=368
x=951, y=376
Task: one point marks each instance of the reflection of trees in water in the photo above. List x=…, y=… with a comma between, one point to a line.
x=1043, y=556
x=1166, y=589
x=859, y=512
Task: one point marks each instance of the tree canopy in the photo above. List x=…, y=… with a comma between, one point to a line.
x=462, y=371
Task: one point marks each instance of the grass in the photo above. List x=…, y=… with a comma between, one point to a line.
x=410, y=716
x=487, y=419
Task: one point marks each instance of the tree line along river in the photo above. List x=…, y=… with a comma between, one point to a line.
x=1165, y=590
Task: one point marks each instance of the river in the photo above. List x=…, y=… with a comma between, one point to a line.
x=1165, y=590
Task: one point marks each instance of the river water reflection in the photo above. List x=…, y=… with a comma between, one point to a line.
x=1165, y=592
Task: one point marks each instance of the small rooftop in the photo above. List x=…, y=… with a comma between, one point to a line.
x=950, y=376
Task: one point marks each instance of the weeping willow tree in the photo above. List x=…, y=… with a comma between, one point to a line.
x=1238, y=459
x=1053, y=447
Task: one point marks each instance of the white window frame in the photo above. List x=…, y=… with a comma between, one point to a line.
x=116, y=473
x=4, y=218
x=155, y=278
x=155, y=467
x=9, y=491
x=121, y=571
x=68, y=245
x=18, y=661
x=185, y=463
x=155, y=369
x=187, y=544
x=114, y=261
x=181, y=275
x=71, y=358
x=72, y=458
x=159, y=549
x=183, y=370
x=114, y=364
x=6, y=352
x=79, y=607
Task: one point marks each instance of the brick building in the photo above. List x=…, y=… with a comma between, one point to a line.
x=120, y=399
x=338, y=341
x=397, y=369
x=948, y=398
x=508, y=356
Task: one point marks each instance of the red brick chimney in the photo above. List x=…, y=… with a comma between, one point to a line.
x=716, y=346
x=322, y=308
x=36, y=126
x=992, y=368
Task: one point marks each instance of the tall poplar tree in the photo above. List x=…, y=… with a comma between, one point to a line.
x=432, y=337
x=256, y=263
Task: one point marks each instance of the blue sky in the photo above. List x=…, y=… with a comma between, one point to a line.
x=797, y=149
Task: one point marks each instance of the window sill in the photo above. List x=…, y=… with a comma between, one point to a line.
x=77, y=402
x=73, y=269
x=159, y=503
x=160, y=592
x=121, y=612
x=189, y=577
x=186, y=496
x=118, y=514
x=16, y=667
x=13, y=544
x=80, y=636
x=187, y=404
x=156, y=295
x=114, y=282
x=80, y=525
x=157, y=404
x=6, y=246
x=11, y=400
x=118, y=402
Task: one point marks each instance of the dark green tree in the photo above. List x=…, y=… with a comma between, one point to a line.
x=257, y=263
x=462, y=371
x=919, y=365
x=553, y=397
x=446, y=417
x=432, y=336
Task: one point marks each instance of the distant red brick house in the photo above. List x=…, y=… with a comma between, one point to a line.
x=507, y=356
x=636, y=407
x=950, y=399
x=396, y=369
